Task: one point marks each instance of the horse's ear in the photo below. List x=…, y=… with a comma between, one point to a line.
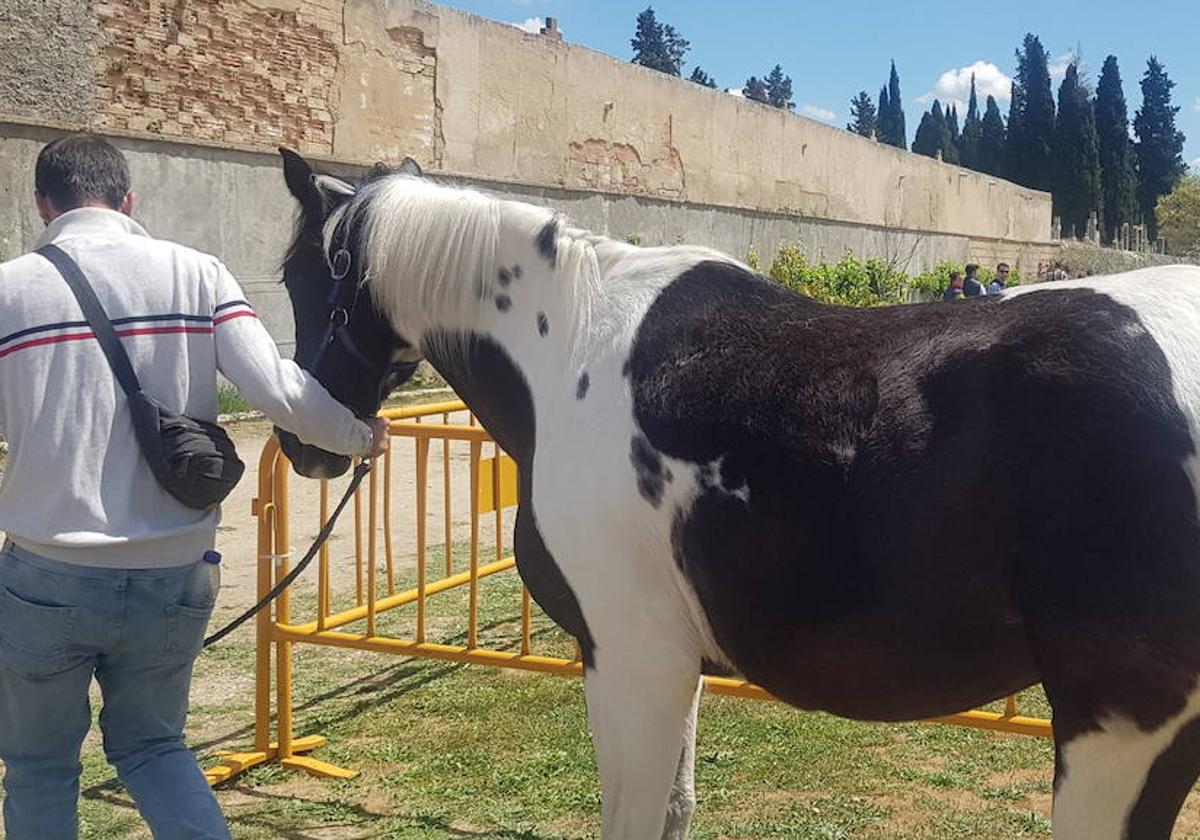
x=410, y=167
x=298, y=176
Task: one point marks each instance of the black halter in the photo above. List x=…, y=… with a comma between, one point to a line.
x=343, y=300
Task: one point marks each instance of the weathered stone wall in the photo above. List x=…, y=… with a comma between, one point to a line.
x=249, y=73
x=365, y=80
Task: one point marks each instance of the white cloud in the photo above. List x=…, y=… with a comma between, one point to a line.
x=822, y=114
x=1058, y=66
x=954, y=86
x=1196, y=105
x=532, y=25
x=1195, y=167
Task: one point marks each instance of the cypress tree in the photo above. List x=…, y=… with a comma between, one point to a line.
x=891, y=120
x=882, y=115
x=1159, y=145
x=932, y=133
x=1076, y=156
x=862, y=115
x=1118, y=181
x=1031, y=119
x=991, y=140
x=954, y=136
x=972, y=133
x=779, y=89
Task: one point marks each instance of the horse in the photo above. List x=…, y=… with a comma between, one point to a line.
x=888, y=514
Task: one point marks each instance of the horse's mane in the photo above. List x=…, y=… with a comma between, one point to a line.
x=427, y=248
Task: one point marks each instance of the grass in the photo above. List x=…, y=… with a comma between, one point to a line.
x=229, y=401
x=450, y=751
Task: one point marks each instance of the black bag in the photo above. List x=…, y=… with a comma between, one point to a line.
x=193, y=460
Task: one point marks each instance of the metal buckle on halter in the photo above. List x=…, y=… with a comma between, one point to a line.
x=339, y=265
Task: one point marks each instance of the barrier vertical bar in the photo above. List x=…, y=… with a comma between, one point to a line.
x=371, y=560
x=496, y=501
x=422, y=479
x=323, y=598
x=358, y=548
x=387, y=521
x=526, y=621
x=473, y=604
x=447, y=520
x=283, y=615
x=266, y=569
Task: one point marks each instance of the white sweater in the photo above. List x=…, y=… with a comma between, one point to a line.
x=76, y=487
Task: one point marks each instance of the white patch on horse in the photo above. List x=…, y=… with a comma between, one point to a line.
x=1103, y=773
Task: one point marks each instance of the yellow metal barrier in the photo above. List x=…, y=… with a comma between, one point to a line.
x=493, y=490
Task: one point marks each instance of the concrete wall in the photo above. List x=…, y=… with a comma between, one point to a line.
x=234, y=204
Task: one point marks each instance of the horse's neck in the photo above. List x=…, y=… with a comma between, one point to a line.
x=528, y=335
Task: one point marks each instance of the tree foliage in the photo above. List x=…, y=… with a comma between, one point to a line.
x=863, y=119
x=1029, y=147
x=1118, y=179
x=1159, y=143
x=701, y=78
x=891, y=113
x=972, y=133
x=779, y=89
x=1178, y=214
x=1076, y=156
x=755, y=89
x=992, y=138
x=657, y=45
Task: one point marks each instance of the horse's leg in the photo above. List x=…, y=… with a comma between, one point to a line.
x=1120, y=782
x=682, y=804
x=638, y=699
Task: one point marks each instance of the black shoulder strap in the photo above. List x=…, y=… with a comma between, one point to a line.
x=97, y=318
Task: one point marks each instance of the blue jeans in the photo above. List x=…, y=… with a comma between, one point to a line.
x=138, y=632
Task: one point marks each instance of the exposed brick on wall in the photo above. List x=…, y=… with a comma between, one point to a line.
x=234, y=71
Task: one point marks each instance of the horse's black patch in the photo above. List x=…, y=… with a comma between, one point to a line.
x=543, y=324
x=503, y=303
x=652, y=474
x=886, y=452
x=487, y=380
x=581, y=388
x=506, y=277
x=627, y=369
x=1170, y=780
x=547, y=241
x=516, y=270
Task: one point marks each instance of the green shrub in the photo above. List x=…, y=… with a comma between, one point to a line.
x=855, y=282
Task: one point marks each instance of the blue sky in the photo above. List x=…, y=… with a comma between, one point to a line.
x=834, y=49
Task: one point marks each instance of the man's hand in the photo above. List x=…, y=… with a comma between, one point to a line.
x=379, y=435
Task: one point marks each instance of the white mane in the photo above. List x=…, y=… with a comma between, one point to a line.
x=428, y=247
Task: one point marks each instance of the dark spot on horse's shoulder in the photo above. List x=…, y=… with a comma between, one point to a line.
x=652, y=475
x=582, y=388
x=503, y=303
x=543, y=323
x=547, y=241
x=516, y=271
x=506, y=277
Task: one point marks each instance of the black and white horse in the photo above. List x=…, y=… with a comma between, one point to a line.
x=887, y=514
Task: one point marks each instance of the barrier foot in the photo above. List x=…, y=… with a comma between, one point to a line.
x=316, y=767
x=233, y=763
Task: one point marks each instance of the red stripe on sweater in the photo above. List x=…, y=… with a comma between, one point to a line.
x=244, y=313
x=59, y=339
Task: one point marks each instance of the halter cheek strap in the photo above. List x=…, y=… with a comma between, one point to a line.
x=340, y=314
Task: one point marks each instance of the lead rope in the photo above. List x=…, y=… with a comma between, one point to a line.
x=360, y=472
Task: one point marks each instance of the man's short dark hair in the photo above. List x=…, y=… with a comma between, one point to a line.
x=1001, y=265
x=81, y=169
x=972, y=269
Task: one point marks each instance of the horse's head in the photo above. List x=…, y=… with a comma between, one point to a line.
x=342, y=338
